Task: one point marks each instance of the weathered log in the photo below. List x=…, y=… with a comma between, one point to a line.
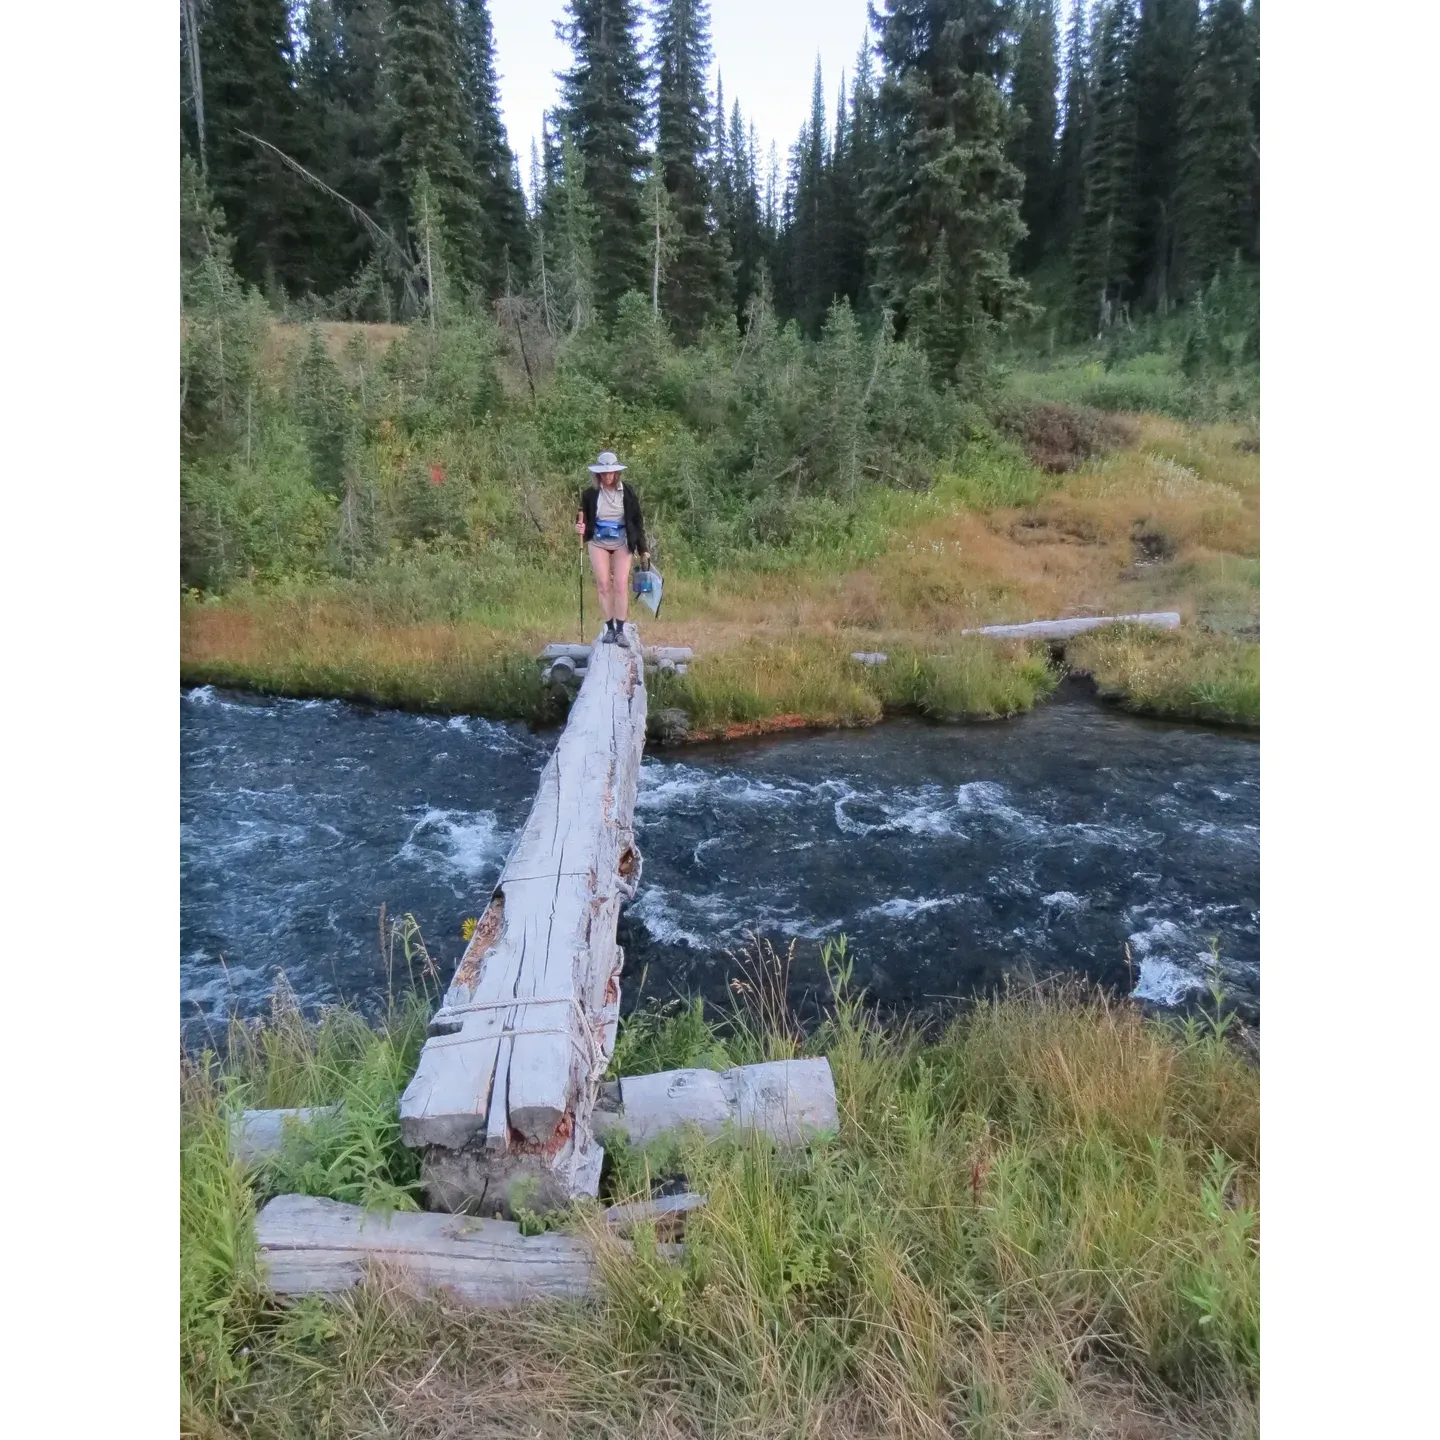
x=791, y=1101
x=502, y=1098
x=654, y=654
x=1064, y=629
x=666, y=1212
x=311, y=1246
x=257, y=1135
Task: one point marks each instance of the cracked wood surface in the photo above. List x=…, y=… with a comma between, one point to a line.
x=508, y=1078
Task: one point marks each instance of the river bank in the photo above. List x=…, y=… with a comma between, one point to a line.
x=1045, y=1217
x=1168, y=521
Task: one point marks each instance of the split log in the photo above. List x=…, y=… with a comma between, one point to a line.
x=790, y=1101
x=311, y=1246
x=1064, y=629
x=257, y=1135
x=502, y=1098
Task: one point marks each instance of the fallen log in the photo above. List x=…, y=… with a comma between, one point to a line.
x=666, y=1212
x=257, y=1135
x=790, y=1101
x=311, y=1246
x=502, y=1098
x=1064, y=629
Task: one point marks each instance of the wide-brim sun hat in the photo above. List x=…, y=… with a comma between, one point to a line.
x=605, y=462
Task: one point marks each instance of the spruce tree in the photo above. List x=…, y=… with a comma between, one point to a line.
x=430, y=130
x=853, y=270
x=1220, y=150
x=603, y=111
x=946, y=197
x=1037, y=77
x=248, y=68
x=697, y=284
x=1164, y=60
x=803, y=288
x=500, y=192
x=1069, y=193
x=1104, y=250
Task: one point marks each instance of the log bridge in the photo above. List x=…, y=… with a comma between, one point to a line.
x=508, y=1105
x=502, y=1101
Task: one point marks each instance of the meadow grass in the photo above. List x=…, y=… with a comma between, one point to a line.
x=1181, y=675
x=1168, y=521
x=1041, y=1221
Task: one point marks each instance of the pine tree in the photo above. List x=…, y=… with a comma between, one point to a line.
x=1220, y=154
x=248, y=69
x=430, y=129
x=946, y=198
x=803, y=283
x=1164, y=60
x=500, y=193
x=1037, y=76
x=1069, y=193
x=603, y=110
x=697, y=284
x=571, y=223
x=1104, y=250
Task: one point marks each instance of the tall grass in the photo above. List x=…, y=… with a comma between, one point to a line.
x=1038, y=1222
x=1180, y=674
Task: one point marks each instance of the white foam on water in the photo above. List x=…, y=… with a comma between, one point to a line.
x=456, y=842
x=1163, y=982
x=201, y=695
x=1165, y=977
x=1063, y=900
x=915, y=812
x=678, y=787
x=901, y=908
x=987, y=797
x=661, y=918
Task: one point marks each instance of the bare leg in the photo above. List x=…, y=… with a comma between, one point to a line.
x=620, y=585
x=600, y=562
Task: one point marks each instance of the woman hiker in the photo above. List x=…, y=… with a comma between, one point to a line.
x=610, y=523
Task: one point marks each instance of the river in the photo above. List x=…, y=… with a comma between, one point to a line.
x=951, y=857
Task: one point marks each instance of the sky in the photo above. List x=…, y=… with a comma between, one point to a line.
x=764, y=51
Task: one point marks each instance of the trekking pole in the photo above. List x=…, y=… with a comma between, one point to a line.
x=582, y=591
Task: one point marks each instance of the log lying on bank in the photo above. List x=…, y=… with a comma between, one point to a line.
x=564, y=666
x=1064, y=629
x=501, y=1101
x=309, y=1246
x=791, y=1101
x=666, y=1212
x=257, y=1135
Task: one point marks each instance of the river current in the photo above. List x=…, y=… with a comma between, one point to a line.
x=950, y=857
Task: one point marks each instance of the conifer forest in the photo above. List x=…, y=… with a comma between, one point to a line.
x=1005, y=223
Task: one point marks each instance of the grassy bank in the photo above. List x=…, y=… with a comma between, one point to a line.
x=1184, y=675
x=1166, y=519
x=1043, y=1221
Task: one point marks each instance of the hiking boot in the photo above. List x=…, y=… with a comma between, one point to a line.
x=610, y=637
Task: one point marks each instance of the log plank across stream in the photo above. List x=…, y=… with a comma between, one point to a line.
x=503, y=1096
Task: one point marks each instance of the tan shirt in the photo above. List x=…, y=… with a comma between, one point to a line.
x=611, y=504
